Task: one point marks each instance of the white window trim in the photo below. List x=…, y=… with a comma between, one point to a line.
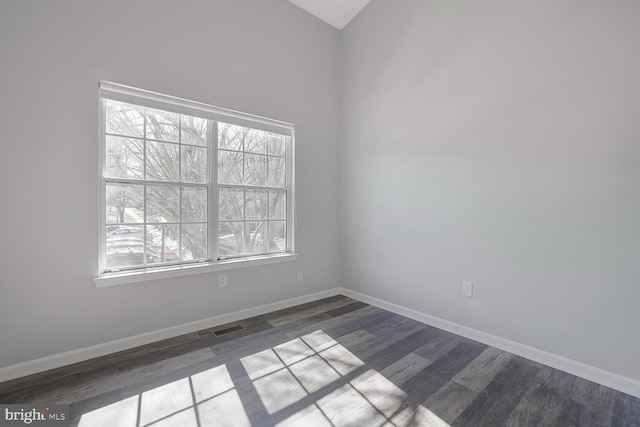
x=161, y=101
x=150, y=99
x=168, y=272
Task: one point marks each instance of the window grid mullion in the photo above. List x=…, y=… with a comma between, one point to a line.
x=152, y=182
x=290, y=207
x=253, y=187
x=243, y=250
x=180, y=245
x=244, y=217
x=213, y=204
x=180, y=222
x=144, y=192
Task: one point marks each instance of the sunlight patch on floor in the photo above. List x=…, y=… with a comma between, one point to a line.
x=164, y=401
x=281, y=376
x=291, y=371
x=211, y=383
x=208, y=398
x=419, y=416
x=122, y=413
x=223, y=410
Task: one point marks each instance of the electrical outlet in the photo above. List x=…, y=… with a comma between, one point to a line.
x=300, y=276
x=222, y=280
x=467, y=289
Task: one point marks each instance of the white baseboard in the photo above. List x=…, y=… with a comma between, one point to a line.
x=591, y=373
x=58, y=360
x=579, y=369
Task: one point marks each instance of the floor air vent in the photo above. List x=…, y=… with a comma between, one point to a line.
x=228, y=331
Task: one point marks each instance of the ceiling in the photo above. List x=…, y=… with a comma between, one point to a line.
x=335, y=12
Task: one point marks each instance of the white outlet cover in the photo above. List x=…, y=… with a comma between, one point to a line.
x=467, y=289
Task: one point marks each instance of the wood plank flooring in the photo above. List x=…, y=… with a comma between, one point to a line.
x=333, y=362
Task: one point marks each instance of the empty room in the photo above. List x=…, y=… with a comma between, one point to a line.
x=320, y=213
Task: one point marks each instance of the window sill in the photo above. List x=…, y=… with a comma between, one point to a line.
x=127, y=277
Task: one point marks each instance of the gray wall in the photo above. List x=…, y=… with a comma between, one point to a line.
x=498, y=142
x=264, y=57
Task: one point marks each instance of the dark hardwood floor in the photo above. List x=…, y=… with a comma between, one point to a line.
x=333, y=362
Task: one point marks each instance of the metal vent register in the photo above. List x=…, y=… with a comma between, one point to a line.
x=227, y=331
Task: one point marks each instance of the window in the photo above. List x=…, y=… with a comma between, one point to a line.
x=183, y=182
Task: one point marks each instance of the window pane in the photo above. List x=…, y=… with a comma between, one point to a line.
x=162, y=243
x=194, y=242
x=230, y=137
x=124, y=119
x=277, y=236
x=194, y=204
x=124, y=246
x=277, y=205
x=124, y=230
x=277, y=145
x=124, y=203
x=231, y=202
x=157, y=186
x=162, y=161
x=256, y=205
x=124, y=157
x=163, y=203
x=276, y=172
x=255, y=169
x=162, y=125
x=194, y=164
x=193, y=130
x=255, y=141
x=255, y=237
x=230, y=238
x=229, y=167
